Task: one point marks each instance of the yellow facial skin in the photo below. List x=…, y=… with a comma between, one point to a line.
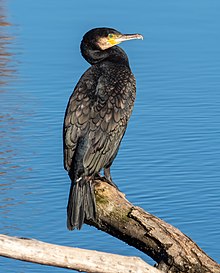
x=112, y=39
x=107, y=42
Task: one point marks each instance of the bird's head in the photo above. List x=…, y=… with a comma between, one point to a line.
x=98, y=44
x=104, y=38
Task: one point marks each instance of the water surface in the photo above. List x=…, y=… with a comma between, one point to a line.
x=169, y=161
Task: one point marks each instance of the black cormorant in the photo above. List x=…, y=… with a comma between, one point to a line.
x=96, y=118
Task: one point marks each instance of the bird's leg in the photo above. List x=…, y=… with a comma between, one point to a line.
x=108, y=178
x=98, y=176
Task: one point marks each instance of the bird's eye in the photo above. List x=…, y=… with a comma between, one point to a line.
x=110, y=36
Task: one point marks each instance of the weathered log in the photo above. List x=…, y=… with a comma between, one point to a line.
x=169, y=247
x=71, y=258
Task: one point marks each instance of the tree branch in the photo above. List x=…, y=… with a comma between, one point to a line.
x=71, y=258
x=169, y=247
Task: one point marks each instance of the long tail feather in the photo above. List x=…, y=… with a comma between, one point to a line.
x=81, y=204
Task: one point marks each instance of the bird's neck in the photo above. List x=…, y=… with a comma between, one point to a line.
x=114, y=54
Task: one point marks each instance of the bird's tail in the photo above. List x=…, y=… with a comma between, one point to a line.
x=81, y=204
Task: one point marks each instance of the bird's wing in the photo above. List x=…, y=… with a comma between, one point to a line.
x=108, y=121
x=77, y=116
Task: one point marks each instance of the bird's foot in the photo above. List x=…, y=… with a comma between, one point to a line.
x=105, y=179
x=110, y=182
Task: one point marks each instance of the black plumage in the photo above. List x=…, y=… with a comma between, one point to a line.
x=96, y=118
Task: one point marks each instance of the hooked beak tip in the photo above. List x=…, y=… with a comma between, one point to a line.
x=140, y=37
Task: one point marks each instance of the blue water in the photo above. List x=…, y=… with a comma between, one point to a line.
x=169, y=161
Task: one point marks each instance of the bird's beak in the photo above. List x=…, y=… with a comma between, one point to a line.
x=127, y=37
x=115, y=39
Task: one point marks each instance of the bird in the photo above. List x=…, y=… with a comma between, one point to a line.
x=96, y=118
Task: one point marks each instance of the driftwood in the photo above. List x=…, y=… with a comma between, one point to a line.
x=173, y=251
x=72, y=258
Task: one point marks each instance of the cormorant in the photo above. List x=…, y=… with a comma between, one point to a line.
x=96, y=118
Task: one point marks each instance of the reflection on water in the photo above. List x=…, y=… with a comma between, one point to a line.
x=9, y=123
x=6, y=152
x=5, y=155
x=5, y=56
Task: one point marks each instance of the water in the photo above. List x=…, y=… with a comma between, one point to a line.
x=169, y=161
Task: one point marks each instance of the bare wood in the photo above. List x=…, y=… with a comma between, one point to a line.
x=72, y=258
x=169, y=247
